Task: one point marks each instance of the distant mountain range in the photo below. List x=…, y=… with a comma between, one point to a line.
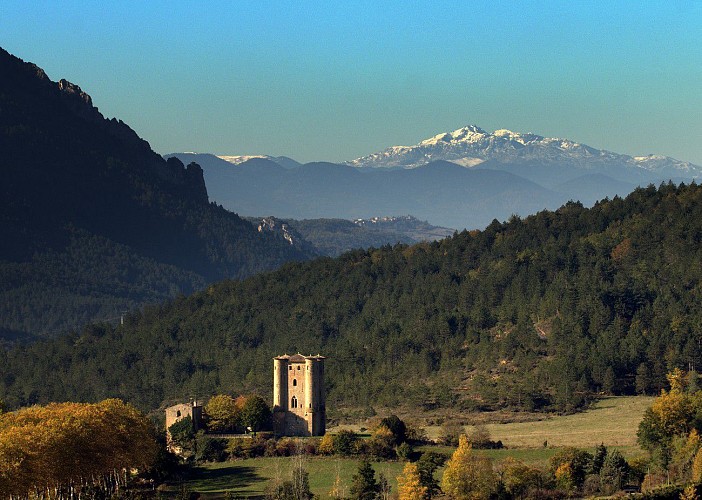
x=461, y=179
x=93, y=222
x=441, y=192
x=472, y=146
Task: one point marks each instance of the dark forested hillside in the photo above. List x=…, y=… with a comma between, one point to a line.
x=92, y=221
x=534, y=313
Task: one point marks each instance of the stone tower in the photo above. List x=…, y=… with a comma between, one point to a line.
x=298, y=395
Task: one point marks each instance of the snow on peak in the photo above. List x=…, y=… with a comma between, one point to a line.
x=235, y=160
x=470, y=145
x=470, y=133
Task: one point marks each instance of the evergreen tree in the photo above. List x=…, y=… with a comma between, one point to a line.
x=643, y=379
x=364, y=486
x=614, y=472
x=598, y=459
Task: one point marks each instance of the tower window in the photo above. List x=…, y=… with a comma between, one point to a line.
x=294, y=382
x=293, y=402
x=289, y=367
x=298, y=367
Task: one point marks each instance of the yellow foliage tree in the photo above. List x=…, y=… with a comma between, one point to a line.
x=408, y=485
x=519, y=478
x=326, y=445
x=468, y=476
x=697, y=467
x=684, y=451
x=674, y=411
x=222, y=412
x=677, y=380
x=46, y=447
x=565, y=476
x=689, y=493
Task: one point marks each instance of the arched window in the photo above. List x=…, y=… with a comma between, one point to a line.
x=294, y=382
x=178, y=413
x=293, y=402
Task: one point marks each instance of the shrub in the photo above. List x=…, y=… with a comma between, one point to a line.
x=381, y=445
x=344, y=442
x=450, y=432
x=397, y=428
x=210, y=449
x=404, y=452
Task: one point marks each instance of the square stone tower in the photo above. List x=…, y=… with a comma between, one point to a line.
x=298, y=395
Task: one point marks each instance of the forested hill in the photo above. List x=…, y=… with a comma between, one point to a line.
x=532, y=313
x=92, y=221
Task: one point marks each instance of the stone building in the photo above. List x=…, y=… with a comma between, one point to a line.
x=298, y=395
x=178, y=412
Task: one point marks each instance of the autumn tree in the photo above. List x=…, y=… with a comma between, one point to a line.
x=409, y=486
x=468, y=476
x=570, y=466
x=671, y=414
x=697, y=467
x=222, y=413
x=44, y=448
x=520, y=479
x=684, y=449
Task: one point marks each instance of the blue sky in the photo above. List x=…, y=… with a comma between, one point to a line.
x=337, y=80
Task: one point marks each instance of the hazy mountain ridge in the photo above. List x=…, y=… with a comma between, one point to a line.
x=283, y=161
x=442, y=193
x=93, y=221
x=332, y=237
x=455, y=179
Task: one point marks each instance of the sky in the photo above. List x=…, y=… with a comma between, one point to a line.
x=332, y=81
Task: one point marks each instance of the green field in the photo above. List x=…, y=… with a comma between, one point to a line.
x=612, y=421
x=251, y=476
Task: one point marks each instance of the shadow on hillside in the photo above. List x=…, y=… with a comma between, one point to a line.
x=228, y=477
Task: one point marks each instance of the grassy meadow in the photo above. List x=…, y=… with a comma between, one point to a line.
x=612, y=421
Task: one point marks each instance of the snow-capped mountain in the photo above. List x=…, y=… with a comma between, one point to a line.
x=283, y=161
x=471, y=146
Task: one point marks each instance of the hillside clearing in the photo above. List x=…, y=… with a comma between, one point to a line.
x=612, y=421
